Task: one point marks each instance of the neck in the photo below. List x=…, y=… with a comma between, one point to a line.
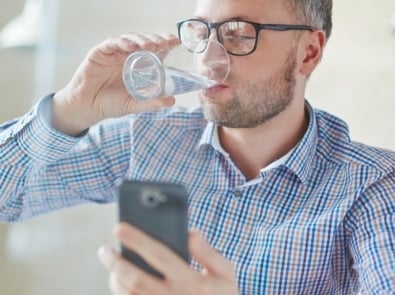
x=252, y=149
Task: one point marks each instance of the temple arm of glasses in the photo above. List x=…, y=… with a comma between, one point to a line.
x=277, y=27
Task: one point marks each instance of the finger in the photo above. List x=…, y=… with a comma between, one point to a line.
x=160, y=39
x=171, y=39
x=165, y=101
x=162, y=42
x=131, y=42
x=142, y=40
x=127, y=43
x=211, y=260
x=115, y=44
x=115, y=286
x=155, y=253
x=128, y=276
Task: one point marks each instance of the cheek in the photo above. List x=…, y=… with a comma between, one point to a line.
x=265, y=62
x=249, y=68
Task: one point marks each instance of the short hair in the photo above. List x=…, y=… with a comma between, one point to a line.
x=315, y=13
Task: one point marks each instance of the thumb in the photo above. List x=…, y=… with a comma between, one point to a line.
x=213, y=262
x=165, y=101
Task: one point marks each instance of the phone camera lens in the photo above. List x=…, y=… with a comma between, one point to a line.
x=152, y=198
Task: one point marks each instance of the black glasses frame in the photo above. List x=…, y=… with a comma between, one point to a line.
x=258, y=27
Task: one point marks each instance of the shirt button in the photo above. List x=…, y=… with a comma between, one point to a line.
x=237, y=193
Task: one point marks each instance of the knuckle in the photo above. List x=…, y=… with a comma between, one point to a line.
x=134, y=284
x=160, y=258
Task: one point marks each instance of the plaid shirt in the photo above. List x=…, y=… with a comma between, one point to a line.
x=319, y=221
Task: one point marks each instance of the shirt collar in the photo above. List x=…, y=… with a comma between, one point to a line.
x=299, y=159
x=207, y=136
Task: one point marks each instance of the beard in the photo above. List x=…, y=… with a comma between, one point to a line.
x=255, y=103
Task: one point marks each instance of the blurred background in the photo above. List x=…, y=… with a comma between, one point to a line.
x=43, y=41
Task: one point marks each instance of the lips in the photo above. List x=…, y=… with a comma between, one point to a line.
x=214, y=90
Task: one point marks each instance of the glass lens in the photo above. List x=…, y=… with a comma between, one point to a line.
x=238, y=37
x=192, y=32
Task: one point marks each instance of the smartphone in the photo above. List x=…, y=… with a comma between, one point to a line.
x=160, y=210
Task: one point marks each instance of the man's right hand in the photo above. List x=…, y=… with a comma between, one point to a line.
x=96, y=91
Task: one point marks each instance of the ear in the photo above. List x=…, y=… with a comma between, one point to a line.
x=313, y=45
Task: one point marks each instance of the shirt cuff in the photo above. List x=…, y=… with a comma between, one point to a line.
x=38, y=139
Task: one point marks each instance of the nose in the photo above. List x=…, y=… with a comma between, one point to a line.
x=213, y=34
x=213, y=61
x=214, y=52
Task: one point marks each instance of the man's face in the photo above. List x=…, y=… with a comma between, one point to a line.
x=260, y=85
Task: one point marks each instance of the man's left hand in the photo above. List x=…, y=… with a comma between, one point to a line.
x=216, y=278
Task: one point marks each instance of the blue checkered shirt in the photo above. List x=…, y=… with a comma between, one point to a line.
x=320, y=221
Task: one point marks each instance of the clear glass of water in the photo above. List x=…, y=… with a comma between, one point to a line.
x=185, y=68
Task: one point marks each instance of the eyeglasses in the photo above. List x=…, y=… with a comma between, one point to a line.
x=237, y=36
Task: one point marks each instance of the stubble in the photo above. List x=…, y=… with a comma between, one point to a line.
x=255, y=102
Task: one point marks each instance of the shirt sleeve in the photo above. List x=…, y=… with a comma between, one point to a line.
x=372, y=243
x=43, y=169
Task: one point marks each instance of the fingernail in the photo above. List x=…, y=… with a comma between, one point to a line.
x=104, y=253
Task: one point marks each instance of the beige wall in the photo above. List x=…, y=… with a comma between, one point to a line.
x=55, y=253
x=82, y=24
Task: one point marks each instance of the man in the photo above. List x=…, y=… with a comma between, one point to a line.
x=286, y=202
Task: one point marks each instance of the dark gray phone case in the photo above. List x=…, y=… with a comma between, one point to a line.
x=159, y=209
